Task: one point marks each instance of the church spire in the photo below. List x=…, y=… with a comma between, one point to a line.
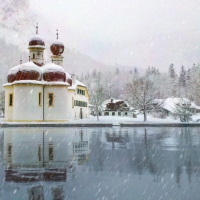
x=57, y=34
x=37, y=28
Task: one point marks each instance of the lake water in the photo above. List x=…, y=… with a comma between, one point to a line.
x=100, y=163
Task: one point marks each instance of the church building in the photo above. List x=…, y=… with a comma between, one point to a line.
x=39, y=92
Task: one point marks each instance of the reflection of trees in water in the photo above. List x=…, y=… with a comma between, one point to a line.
x=142, y=150
x=97, y=151
x=146, y=155
x=189, y=154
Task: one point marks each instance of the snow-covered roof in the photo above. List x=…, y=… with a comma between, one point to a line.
x=51, y=67
x=28, y=66
x=57, y=42
x=36, y=37
x=37, y=83
x=104, y=104
x=170, y=103
x=77, y=83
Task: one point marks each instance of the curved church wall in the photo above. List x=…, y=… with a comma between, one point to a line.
x=26, y=102
x=8, y=108
x=57, y=109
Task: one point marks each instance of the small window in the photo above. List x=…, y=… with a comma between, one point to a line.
x=106, y=113
x=113, y=113
x=10, y=99
x=125, y=113
x=38, y=54
x=51, y=99
x=119, y=113
x=40, y=99
x=73, y=102
x=9, y=150
x=33, y=55
x=51, y=152
x=39, y=153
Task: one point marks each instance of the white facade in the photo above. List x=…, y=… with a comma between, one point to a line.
x=26, y=107
x=58, y=111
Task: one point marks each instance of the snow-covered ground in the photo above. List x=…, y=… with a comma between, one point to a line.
x=140, y=118
x=116, y=119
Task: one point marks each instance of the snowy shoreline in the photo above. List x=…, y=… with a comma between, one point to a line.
x=108, y=121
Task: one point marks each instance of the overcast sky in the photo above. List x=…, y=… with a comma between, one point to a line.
x=128, y=32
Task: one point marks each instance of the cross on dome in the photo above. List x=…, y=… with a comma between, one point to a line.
x=37, y=28
x=57, y=34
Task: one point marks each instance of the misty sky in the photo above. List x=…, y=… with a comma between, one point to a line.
x=129, y=32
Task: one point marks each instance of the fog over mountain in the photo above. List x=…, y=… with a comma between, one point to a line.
x=103, y=35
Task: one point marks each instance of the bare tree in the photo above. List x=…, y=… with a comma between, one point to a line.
x=141, y=94
x=97, y=93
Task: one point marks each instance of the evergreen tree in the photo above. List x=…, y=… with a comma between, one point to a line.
x=182, y=77
x=172, y=73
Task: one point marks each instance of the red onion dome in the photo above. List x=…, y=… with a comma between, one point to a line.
x=68, y=79
x=53, y=72
x=57, y=48
x=25, y=71
x=36, y=40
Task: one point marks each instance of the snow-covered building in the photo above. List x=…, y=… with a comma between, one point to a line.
x=117, y=107
x=169, y=105
x=39, y=92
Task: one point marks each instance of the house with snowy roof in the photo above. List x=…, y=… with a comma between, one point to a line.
x=169, y=105
x=117, y=107
x=40, y=92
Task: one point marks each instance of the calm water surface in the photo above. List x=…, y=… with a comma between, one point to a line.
x=100, y=163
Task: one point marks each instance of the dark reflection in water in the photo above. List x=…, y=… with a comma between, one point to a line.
x=100, y=163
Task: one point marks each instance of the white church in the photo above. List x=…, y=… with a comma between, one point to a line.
x=39, y=92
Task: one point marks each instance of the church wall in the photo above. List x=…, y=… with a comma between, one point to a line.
x=8, y=109
x=26, y=103
x=58, y=110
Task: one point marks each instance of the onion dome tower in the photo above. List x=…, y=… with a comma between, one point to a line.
x=57, y=48
x=36, y=49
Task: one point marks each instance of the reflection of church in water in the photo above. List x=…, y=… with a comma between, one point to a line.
x=52, y=155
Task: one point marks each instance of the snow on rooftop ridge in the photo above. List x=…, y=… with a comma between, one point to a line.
x=28, y=66
x=68, y=75
x=114, y=101
x=58, y=42
x=51, y=67
x=79, y=83
x=37, y=82
x=36, y=37
x=74, y=86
